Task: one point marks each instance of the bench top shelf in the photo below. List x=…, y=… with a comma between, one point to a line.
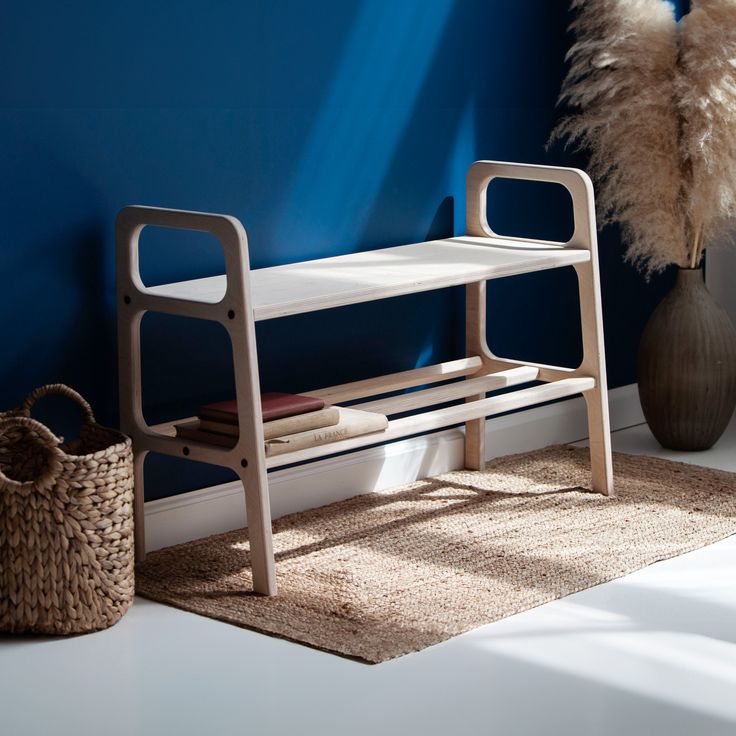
x=295, y=288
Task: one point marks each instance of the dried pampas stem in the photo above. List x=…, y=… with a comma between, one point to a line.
x=696, y=249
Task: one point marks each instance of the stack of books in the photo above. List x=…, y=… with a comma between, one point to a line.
x=290, y=422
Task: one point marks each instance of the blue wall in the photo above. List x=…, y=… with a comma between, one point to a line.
x=328, y=128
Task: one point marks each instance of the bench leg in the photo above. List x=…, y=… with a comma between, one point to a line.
x=260, y=534
x=475, y=344
x=600, y=441
x=594, y=364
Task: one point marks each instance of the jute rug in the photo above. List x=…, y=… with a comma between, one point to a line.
x=384, y=574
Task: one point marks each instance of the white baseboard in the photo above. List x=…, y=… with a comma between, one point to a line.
x=222, y=508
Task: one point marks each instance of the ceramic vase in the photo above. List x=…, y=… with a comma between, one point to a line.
x=687, y=367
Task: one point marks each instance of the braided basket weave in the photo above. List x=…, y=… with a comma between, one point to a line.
x=66, y=523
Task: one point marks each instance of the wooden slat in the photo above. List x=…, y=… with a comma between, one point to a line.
x=397, y=381
x=450, y=392
x=168, y=444
x=546, y=372
x=439, y=418
x=383, y=384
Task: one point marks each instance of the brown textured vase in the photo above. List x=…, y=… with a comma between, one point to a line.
x=687, y=367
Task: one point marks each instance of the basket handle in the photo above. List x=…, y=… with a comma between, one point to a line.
x=47, y=439
x=58, y=389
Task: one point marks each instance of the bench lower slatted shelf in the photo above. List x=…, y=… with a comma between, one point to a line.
x=450, y=393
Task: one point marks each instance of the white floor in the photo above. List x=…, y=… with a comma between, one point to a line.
x=651, y=653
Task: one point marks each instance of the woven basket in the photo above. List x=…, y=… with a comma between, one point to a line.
x=66, y=523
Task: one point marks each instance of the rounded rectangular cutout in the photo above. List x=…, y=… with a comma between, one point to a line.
x=530, y=209
x=185, y=363
x=167, y=255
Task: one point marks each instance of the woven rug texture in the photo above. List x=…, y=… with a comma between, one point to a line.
x=384, y=574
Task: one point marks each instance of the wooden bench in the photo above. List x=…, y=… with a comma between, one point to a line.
x=241, y=297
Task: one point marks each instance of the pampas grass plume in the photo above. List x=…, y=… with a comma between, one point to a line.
x=654, y=105
x=706, y=96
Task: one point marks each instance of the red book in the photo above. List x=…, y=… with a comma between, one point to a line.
x=274, y=405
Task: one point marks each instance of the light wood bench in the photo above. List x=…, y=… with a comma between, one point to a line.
x=241, y=297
